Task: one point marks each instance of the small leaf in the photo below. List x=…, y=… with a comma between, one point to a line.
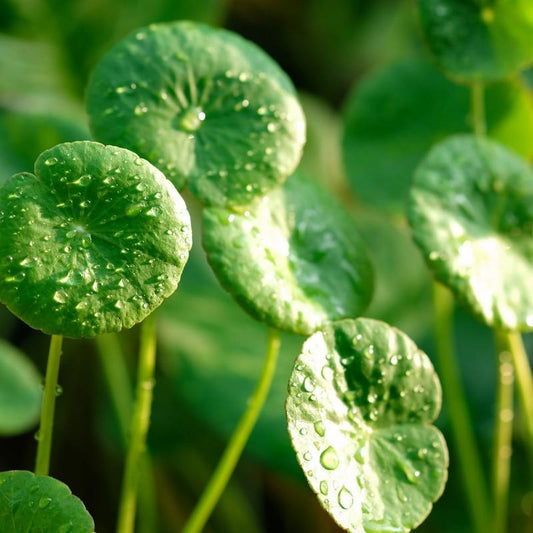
x=92, y=243
x=40, y=504
x=293, y=259
x=20, y=391
x=204, y=105
x=394, y=116
x=362, y=398
x=471, y=210
x=479, y=40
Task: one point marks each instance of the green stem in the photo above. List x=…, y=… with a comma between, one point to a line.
x=503, y=432
x=44, y=448
x=139, y=426
x=478, y=108
x=240, y=436
x=465, y=443
x=524, y=380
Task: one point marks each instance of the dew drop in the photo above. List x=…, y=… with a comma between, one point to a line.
x=308, y=384
x=319, y=428
x=324, y=487
x=50, y=161
x=345, y=498
x=329, y=458
x=60, y=297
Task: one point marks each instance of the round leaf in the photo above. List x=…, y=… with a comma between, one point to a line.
x=20, y=391
x=40, y=504
x=473, y=39
x=471, y=210
x=91, y=243
x=293, y=259
x=204, y=105
x=362, y=398
x=394, y=116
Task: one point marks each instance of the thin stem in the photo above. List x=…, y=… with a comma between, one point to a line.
x=233, y=451
x=503, y=432
x=524, y=380
x=44, y=448
x=139, y=426
x=474, y=481
x=478, y=108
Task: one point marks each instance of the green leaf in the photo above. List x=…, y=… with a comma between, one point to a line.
x=20, y=391
x=91, y=243
x=362, y=398
x=204, y=105
x=394, y=116
x=40, y=504
x=293, y=259
x=471, y=210
x=479, y=40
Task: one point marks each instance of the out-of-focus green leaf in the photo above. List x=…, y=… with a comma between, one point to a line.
x=479, y=40
x=397, y=113
x=20, y=391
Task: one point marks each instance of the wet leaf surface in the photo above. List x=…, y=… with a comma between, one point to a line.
x=91, y=243
x=362, y=398
x=471, y=211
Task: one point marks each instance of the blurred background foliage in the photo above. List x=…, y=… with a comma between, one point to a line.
x=367, y=85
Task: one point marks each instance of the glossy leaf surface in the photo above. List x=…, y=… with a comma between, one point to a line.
x=394, y=116
x=207, y=107
x=20, y=391
x=473, y=39
x=293, y=259
x=471, y=211
x=92, y=242
x=40, y=504
x=362, y=398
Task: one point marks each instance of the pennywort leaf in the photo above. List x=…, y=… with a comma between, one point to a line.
x=204, y=105
x=40, y=504
x=20, y=391
x=471, y=211
x=92, y=242
x=361, y=401
x=473, y=40
x=293, y=259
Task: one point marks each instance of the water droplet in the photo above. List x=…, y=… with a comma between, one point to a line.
x=192, y=119
x=60, y=297
x=345, y=498
x=50, y=161
x=329, y=458
x=411, y=474
x=319, y=428
x=59, y=390
x=324, y=487
x=44, y=503
x=308, y=384
x=307, y=456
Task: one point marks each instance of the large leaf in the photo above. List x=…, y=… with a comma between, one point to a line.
x=293, y=259
x=479, y=39
x=92, y=242
x=362, y=398
x=203, y=104
x=394, y=116
x=40, y=504
x=20, y=391
x=471, y=210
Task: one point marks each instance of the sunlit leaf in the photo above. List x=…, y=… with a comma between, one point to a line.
x=92, y=242
x=362, y=398
x=204, y=105
x=471, y=210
